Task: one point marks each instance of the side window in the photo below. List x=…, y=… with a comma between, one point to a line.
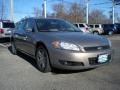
x=96, y=26
x=20, y=26
x=76, y=25
x=29, y=25
x=91, y=26
x=81, y=25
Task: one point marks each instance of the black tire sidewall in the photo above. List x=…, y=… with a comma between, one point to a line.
x=47, y=64
x=13, y=48
x=96, y=33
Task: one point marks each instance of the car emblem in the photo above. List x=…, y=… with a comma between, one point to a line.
x=99, y=48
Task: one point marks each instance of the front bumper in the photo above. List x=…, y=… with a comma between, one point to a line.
x=76, y=60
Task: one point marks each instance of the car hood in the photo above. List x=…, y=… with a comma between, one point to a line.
x=83, y=39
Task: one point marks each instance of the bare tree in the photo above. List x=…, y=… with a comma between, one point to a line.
x=76, y=13
x=97, y=16
x=59, y=10
x=72, y=12
x=37, y=12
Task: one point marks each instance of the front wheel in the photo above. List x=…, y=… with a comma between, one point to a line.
x=96, y=33
x=42, y=59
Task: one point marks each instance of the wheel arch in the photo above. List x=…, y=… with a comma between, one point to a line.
x=39, y=44
x=44, y=45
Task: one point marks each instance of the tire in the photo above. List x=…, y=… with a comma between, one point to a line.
x=13, y=48
x=96, y=33
x=110, y=32
x=42, y=59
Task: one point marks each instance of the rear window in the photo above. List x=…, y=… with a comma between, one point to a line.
x=91, y=26
x=8, y=25
x=108, y=26
x=96, y=26
x=76, y=25
x=81, y=25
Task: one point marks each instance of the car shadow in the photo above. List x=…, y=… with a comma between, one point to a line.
x=25, y=57
x=59, y=71
x=54, y=71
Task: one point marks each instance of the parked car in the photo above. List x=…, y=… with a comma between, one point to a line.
x=109, y=29
x=83, y=27
x=96, y=28
x=5, y=28
x=57, y=43
x=118, y=28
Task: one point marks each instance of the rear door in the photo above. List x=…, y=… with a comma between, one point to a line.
x=19, y=35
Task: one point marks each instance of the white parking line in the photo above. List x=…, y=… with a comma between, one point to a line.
x=3, y=45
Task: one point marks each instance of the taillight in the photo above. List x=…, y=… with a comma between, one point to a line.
x=1, y=31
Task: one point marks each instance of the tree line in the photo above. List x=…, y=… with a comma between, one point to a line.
x=76, y=13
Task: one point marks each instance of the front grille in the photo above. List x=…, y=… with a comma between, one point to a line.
x=97, y=48
x=93, y=61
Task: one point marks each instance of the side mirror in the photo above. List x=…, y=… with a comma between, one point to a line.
x=29, y=30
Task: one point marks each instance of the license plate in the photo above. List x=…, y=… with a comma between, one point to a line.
x=103, y=58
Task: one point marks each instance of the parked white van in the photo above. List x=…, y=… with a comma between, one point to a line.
x=83, y=27
x=96, y=28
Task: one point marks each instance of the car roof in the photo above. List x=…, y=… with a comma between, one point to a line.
x=6, y=21
x=43, y=18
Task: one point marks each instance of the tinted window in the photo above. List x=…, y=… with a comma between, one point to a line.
x=21, y=26
x=29, y=24
x=118, y=26
x=55, y=25
x=91, y=26
x=96, y=26
x=81, y=25
x=76, y=25
x=108, y=26
x=8, y=25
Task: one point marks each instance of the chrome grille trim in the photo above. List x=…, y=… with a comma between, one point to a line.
x=97, y=48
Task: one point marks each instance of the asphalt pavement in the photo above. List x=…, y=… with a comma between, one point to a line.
x=19, y=72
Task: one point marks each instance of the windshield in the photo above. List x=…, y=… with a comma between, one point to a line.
x=8, y=25
x=55, y=25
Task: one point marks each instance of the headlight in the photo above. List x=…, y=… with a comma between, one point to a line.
x=66, y=46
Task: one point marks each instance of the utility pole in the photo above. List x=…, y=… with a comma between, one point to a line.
x=2, y=9
x=113, y=12
x=87, y=11
x=45, y=9
x=11, y=10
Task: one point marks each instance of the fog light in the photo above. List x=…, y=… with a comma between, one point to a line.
x=70, y=63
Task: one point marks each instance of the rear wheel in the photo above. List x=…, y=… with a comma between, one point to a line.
x=42, y=59
x=13, y=48
x=96, y=33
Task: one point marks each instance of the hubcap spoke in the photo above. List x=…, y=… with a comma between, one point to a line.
x=41, y=59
